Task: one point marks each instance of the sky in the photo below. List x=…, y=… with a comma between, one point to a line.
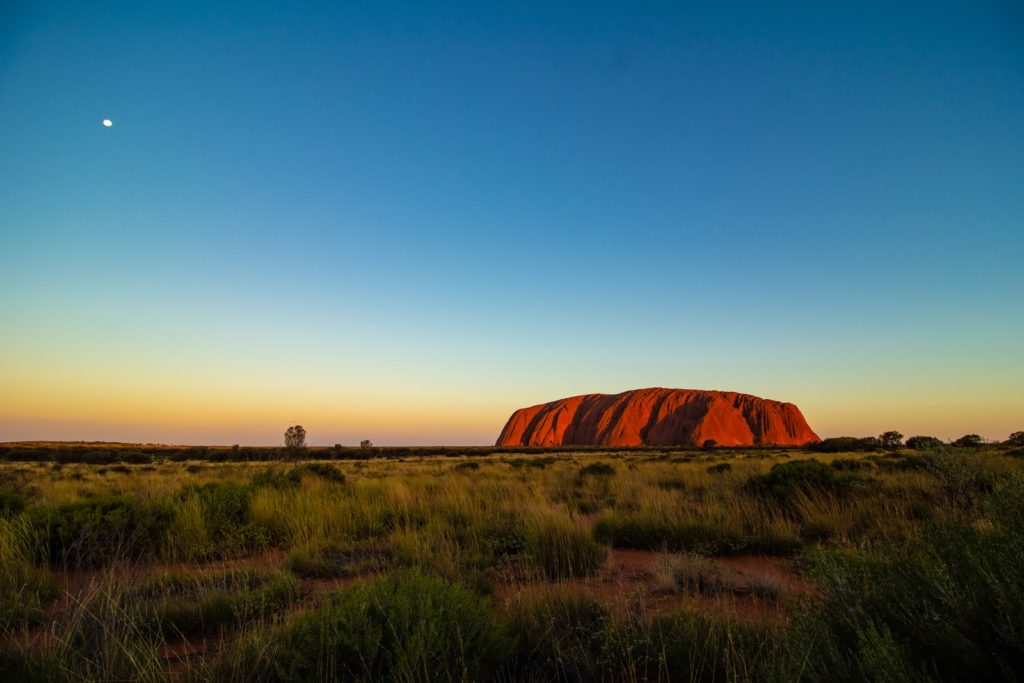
x=402, y=221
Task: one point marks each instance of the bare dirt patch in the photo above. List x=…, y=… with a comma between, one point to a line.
x=642, y=581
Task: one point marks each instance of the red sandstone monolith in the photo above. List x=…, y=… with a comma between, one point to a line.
x=658, y=417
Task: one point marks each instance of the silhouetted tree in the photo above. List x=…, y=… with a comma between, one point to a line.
x=924, y=443
x=969, y=441
x=366, y=443
x=891, y=440
x=295, y=440
x=1016, y=439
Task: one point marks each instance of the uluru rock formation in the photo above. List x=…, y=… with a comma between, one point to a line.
x=658, y=417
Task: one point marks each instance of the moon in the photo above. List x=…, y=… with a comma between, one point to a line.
x=108, y=123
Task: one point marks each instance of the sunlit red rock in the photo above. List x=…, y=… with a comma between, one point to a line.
x=658, y=417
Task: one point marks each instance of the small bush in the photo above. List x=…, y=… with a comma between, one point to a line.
x=225, y=508
x=850, y=464
x=710, y=537
x=11, y=503
x=597, y=469
x=193, y=605
x=224, y=503
x=92, y=532
x=720, y=468
x=846, y=444
x=404, y=627
x=561, y=636
x=322, y=470
x=25, y=588
x=334, y=561
x=467, y=466
x=924, y=443
x=786, y=479
x=539, y=463
x=969, y=441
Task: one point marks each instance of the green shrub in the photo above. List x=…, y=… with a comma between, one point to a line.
x=226, y=513
x=597, y=469
x=850, y=464
x=896, y=463
x=786, y=479
x=97, y=531
x=405, y=627
x=335, y=560
x=680, y=534
x=969, y=441
x=946, y=606
x=224, y=503
x=561, y=636
x=322, y=470
x=539, y=463
x=634, y=530
x=192, y=605
x=277, y=478
x=11, y=503
x=924, y=443
x=25, y=588
x=846, y=444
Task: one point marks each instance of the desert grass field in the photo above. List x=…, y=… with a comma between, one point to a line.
x=760, y=564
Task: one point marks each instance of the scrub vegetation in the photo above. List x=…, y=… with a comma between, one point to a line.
x=883, y=563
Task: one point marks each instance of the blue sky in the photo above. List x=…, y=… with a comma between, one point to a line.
x=401, y=222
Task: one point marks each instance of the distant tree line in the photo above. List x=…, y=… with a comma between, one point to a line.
x=295, y=448
x=893, y=440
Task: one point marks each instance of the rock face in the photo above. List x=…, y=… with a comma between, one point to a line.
x=658, y=417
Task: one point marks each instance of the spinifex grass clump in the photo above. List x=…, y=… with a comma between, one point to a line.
x=564, y=635
x=558, y=548
x=25, y=587
x=638, y=530
x=800, y=476
x=11, y=503
x=279, y=478
x=405, y=627
x=185, y=605
x=215, y=520
x=561, y=635
x=689, y=645
x=332, y=560
x=93, y=532
x=597, y=469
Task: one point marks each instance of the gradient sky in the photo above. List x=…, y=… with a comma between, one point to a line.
x=403, y=221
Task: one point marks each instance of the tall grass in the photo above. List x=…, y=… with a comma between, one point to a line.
x=917, y=560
